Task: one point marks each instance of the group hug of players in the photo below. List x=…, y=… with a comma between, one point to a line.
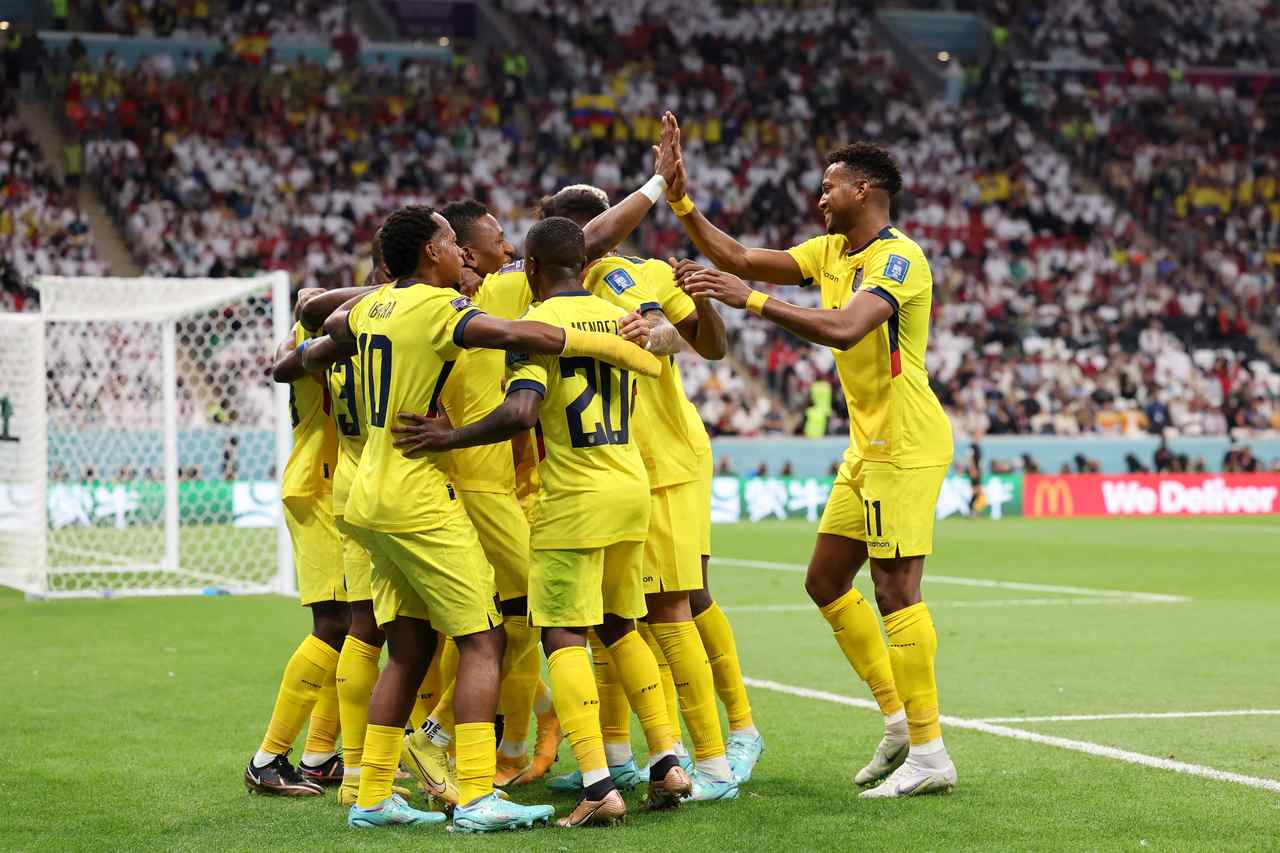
x=466, y=487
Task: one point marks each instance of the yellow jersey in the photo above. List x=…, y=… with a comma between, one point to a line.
x=670, y=431
x=474, y=388
x=894, y=415
x=594, y=490
x=408, y=336
x=309, y=471
x=507, y=294
x=345, y=390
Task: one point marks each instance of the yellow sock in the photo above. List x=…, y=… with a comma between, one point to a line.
x=477, y=760
x=357, y=672
x=913, y=644
x=858, y=635
x=573, y=689
x=442, y=713
x=429, y=692
x=521, y=667
x=638, y=671
x=378, y=764
x=326, y=723
x=669, y=693
x=688, y=665
x=726, y=670
x=615, y=712
x=311, y=665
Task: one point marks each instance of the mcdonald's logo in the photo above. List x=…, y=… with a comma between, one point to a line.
x=1054, y=496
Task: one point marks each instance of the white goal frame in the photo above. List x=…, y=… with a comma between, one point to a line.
x=25, y=542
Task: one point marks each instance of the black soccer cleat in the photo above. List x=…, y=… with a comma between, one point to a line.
x=328, y=773
x=279, y=778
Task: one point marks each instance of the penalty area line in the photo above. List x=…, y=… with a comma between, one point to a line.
x=1135, y=715
x=961, y=603
x=1084, y=746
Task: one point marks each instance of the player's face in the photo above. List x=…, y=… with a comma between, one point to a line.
x=447, y=252
x=488, y=248
x=843, y=195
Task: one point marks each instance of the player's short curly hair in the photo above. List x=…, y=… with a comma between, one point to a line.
x=872, y=161
x=462, y=215
x=579, y=202
x=402, y=237
x=556, y=242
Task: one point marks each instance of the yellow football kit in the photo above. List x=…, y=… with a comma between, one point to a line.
x=673, y=441
x=348, y=416
x=427, y=560
x=592, y=510
x=900, y=439
x=485, y=475
x=306, y=489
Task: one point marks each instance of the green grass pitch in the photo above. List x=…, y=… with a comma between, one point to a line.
x=128, y=722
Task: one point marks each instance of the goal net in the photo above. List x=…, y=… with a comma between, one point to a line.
x=141, y=436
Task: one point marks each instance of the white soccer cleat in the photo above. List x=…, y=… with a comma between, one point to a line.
x=914, y=778
x=890, y=753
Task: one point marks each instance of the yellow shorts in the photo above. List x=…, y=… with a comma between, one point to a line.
x=575, y=588
x=707, y=463
x=504, y=534
x=317, y=553
x=890, y=508
x=356, y=565
x=439, y=575
x=673, y=552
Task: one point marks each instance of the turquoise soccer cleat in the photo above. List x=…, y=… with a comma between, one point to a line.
x=625, y=776
x=743, y=751
x=393, y=811
x=494, y=814
x=707, y=790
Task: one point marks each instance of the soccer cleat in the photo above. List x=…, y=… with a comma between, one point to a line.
x=625, y=776
x=668, y=791
x=890, y=753
x=280, y=779
x=914, y=778
x=493, y=814
x=328, y=773
x=546, y=746
x=708, y=790
x=605, y=812
x=686, y=763
x=393, y=811
x=430, y=763
x=743, y=751
x=510, y=771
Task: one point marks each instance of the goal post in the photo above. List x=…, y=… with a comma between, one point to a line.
x=141, y=438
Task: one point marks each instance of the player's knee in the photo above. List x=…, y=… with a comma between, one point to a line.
x=614, y=628
x=364, y=625
x=822, y=588
x=330, y=622
x=700, y=600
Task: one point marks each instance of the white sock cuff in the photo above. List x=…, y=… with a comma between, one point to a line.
x=898, y=716
x=715, y=768
x=656, y=757
x=617, y=753
x=512, y=749
x=591, y=777
x=929, y=747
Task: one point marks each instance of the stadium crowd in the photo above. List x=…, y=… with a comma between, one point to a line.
x=227, y=19
x=1091, y=274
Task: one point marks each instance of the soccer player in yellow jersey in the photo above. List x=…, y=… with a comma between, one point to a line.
x=876, y=299
x=429, y=572
x=677, y=455
x=590, y=524
x=307, y=686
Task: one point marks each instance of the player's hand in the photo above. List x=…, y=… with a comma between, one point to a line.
x=684, y=269
x=676, y=189
x=719, y=285
x=419, y=434
x=635, y=328
x=305, y=295
x=666, y=154
x=469, y=283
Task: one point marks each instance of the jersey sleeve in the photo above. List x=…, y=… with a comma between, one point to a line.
x=449, y=316
x=896, y=273
x=810, y=257
x=675, y=303
x=528, y=372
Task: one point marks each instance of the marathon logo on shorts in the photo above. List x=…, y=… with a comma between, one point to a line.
x=896, y=268
x=462, y=303
x=619, y=281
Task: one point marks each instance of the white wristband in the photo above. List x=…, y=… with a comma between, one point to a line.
x=655, y=188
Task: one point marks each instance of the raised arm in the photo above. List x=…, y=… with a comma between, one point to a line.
x=318, y=308
x=841, y=329
x=288, y=363
x=517, y=414
x=323, y=351
x=337, y=327
x=530, y=336
x=606, y=231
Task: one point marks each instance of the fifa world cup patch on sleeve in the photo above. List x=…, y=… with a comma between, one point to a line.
x=896, y=268
x=462, y=303
x=619, y=281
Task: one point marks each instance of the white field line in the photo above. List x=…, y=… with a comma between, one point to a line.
x=1152, y=597
x=1087, y=747
x=1136, y=715
x=934, y=604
